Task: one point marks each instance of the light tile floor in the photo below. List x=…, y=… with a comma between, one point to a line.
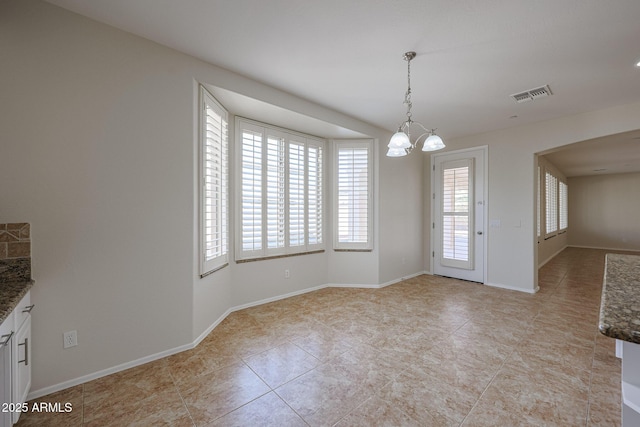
x=429, y=351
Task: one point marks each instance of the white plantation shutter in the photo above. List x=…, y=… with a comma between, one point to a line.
x=539, y=213
x=314, y=195
x=275, y=189
x=353, y=195
x=214, y=197
x=281, y=208
x=551, y=199
x=563, y=208
x=296, y=194
x=457, y=204
x=251, y=182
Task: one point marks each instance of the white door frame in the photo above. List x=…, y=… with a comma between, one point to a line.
x=485, y=150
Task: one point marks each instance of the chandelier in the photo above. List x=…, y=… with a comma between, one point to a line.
x=400, y=143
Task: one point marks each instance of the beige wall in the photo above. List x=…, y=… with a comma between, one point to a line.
x=512, y=248
x=98, y=151
x=604, y=211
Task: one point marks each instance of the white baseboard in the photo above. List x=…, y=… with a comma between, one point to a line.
x=540, y=264
x=103, y=373
x=353, y=285
x=212, y=327
x=279, y=297
x=207, y=331
x=141, y=361
x=604, y=249
x=513, y=288
x=380, y=286
x=411, y=276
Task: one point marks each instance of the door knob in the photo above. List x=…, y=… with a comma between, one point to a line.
x=479, y=233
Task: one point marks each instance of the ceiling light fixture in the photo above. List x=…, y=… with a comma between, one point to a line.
x=400, y=143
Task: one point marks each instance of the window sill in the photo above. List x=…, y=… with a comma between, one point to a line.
x=242, y=261
x=203, y=275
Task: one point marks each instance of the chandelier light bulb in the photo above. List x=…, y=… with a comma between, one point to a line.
x=396, y=152
x=399, y=140
x=432, y=143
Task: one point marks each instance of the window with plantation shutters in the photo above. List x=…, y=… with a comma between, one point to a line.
x=551, y=204
x=281, y=196
x=563, y=208
x=353, y=201
x=552, y=200
x=214, y=196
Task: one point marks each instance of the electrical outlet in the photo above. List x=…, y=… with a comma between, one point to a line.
x=70, y=339
x=287, y=274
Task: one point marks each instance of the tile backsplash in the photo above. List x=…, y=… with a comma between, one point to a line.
x=15, y=252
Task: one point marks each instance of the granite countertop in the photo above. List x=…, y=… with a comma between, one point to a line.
x=620, y=304
x=10, y=295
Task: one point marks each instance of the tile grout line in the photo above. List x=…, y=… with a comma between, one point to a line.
x=175, y=384
x=493, y=378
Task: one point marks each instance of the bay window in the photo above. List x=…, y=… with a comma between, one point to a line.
x=281, y=197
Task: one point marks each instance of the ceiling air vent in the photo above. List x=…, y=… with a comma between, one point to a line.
x=531, y=94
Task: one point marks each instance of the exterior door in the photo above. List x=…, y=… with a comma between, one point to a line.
x=458, y=238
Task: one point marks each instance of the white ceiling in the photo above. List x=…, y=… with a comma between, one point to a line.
x=347, y=54
x=618, y=153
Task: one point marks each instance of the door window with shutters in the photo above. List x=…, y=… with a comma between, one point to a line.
x=353, y=215
x=457, y=203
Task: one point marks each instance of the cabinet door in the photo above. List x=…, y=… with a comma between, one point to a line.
x=22, y=373
x=5, y=375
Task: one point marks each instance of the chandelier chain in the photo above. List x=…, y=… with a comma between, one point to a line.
x=407, y=96
x=400, y=143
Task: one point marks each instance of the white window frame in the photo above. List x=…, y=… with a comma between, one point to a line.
x=340, y=243
x=285, y=221
x=214, y=187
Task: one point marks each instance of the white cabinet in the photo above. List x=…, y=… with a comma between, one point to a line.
x=6, y=368
x=630, y=384
x=15, y=361
x=22, y=352
x=22, y=365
